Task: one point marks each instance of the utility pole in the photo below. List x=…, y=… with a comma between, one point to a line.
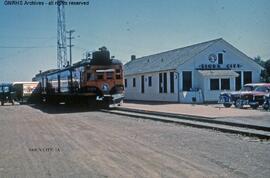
x=70, y=45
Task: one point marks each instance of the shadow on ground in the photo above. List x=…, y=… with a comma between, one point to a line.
x=149, y=102
x=63, y=108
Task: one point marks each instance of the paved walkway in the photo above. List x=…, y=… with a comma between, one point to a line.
x=214, y=111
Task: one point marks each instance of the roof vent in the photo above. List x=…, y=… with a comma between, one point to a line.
x=133, y=57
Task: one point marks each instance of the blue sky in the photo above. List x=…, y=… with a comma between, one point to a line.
x=126, y=27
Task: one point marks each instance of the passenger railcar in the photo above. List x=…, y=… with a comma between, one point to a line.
x=90, y=81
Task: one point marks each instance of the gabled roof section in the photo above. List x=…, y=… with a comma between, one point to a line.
x=168, y=60
x=249, y=59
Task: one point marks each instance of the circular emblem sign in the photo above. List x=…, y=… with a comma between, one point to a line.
x=212, y=58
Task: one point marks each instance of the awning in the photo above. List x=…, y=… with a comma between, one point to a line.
x=218, y=73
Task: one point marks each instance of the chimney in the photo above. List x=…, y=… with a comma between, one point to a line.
x=133, y=57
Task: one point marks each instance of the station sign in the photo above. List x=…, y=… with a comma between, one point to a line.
x=220, y=66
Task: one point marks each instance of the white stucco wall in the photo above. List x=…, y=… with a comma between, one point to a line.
x=150, y=93
x=231, y=55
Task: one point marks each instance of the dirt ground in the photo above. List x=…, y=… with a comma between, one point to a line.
x=75, y=142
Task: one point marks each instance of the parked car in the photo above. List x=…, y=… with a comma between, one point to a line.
x=266, y=104
x=252, y=94
x=7, y=94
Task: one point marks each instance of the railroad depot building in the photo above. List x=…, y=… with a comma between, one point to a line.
x=192, y=74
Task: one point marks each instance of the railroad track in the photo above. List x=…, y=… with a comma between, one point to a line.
x=194, y=121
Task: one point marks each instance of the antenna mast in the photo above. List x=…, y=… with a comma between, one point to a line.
x=61, y=35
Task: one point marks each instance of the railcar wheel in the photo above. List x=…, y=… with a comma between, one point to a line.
x=227, y=105
x=254, y=106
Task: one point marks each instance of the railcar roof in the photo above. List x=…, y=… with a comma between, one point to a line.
x=78, y=64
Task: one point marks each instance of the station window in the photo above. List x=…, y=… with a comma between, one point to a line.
x=134, y=82
x=172, y=82
x=150, y=81
x=165, y=82
x=187, y=80
x=247, y=77
x=225, y=84
x=238, y=81
x=126, y=83
x=220, y=58
x=142, y=83
x=160, y=82
x=214, y=84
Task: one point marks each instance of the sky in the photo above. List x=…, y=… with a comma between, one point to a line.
x=28, y=34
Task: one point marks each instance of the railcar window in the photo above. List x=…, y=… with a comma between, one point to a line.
x=88, y=76
x=6, y=89
x=100, y=76
x=109, y=75
x=118, y=76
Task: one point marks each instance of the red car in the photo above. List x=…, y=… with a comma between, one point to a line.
x=251, y=94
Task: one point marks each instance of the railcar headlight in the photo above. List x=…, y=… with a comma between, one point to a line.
x=105, y=87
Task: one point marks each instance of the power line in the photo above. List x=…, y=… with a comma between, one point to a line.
x=27, y=37
x=25, y=47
